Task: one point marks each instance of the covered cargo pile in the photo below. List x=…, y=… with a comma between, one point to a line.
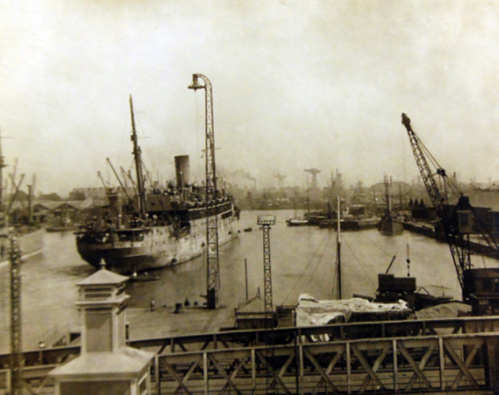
x=313, y=312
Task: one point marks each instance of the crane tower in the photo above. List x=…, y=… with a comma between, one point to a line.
x=314, y=173
x=457, y=223
x=266, y=221
x=212, y=255
x=15, y=318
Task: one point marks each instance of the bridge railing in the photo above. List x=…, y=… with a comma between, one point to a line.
x=438, y=363
x=334, y=332
x=248, y=338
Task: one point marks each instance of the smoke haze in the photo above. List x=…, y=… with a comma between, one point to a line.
x=296, y=85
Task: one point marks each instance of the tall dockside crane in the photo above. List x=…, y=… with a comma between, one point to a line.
x=212, y=255
x=457, y=223
x=314, y=173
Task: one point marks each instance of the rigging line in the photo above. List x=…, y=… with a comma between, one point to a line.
x=291, y=289
x=333, y=286
x=373, y=242
x=144, y=144
x=322, y=246
x=124, y=137
x=358, y=261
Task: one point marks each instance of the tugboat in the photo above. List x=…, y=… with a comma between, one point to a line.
x=156, y=228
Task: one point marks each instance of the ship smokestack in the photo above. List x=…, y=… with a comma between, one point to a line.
x=182, y=170
x=115, y=204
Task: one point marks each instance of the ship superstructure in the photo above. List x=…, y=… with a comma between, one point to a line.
x=158, y=227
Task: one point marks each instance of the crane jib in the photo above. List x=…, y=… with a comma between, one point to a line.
x=457, y=223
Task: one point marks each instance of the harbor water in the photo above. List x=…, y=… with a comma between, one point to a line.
x=303, y=261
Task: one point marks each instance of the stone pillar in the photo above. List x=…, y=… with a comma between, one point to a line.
x=106, y=366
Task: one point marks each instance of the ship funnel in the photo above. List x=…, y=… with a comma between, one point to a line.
x=115, y=204
x=182, y=170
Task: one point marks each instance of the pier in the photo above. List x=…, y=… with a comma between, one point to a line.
x=477, y=245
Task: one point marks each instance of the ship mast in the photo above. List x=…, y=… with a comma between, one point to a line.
x=388, y=183
x=138, y=166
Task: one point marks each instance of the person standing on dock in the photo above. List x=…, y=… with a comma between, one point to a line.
x=152, y=304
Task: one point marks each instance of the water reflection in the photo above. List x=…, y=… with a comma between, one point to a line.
x=303, y=261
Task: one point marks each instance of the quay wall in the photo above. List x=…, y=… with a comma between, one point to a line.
x=428, y=231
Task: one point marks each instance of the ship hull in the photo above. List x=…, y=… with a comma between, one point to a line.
x=390, y=227
x=154, y=247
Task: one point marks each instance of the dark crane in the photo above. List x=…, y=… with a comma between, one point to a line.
x=457, y=223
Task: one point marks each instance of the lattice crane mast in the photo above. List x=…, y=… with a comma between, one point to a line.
x=15, y=318
x=457, y=224
x=212, y=254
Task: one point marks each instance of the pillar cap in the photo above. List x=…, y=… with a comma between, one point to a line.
x=126, y=361
x=103, y=277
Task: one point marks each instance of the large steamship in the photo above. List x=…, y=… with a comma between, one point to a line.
x=158, y=227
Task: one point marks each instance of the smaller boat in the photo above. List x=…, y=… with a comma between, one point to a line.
x=298, y=222
x=350, y=223
x=137, y=278
x=61, y=228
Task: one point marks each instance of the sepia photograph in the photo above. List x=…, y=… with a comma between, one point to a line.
x=249, y=197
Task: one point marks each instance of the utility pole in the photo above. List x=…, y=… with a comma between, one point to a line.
x=30, y=204
x=212, y=255
x=265, y=221
x=338, y=249
x=15, y=318
x=246, y=277
x=2, y=165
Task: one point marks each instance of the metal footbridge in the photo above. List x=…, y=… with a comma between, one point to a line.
x=413, y=356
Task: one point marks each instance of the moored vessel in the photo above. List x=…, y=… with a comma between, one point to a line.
x=158, y=227
x=389, y=224
x=172, y=233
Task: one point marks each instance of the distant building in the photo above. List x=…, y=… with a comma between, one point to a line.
x=44, y=211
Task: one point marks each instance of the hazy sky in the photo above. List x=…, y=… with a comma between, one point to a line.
x=296, y=85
